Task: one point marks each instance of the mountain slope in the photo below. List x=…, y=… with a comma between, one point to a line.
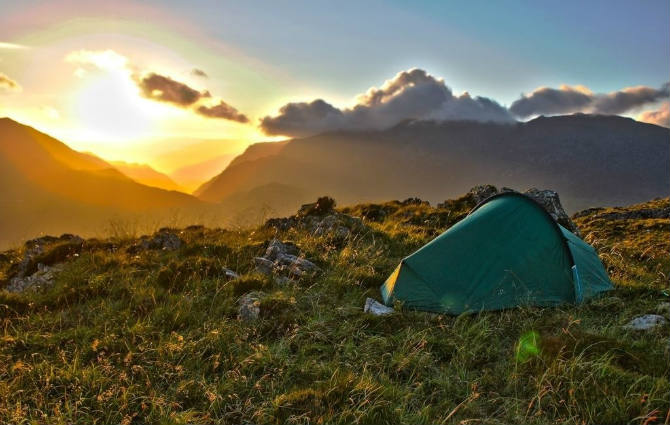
x=590, y=160
x=48, y=187
x=190, y=177
x=144, y=174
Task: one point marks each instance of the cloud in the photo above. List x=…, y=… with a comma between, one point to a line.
x=165, y=89
x=8, y=84
x=199, y=73
x=412, y=94
x=552, y=101
x=12, y=46
x=101, y=59
x=659, y=117
x=567, y=99
x=629, y=98
x=222, y=110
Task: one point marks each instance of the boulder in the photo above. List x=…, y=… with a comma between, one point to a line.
x=34, y=249
x=549, y=200
x=277, y=249
x=482, y=192
x=229, y=274
x=250, y=306
x=42, y=278
x=646, y=322
x=282, y=259
x=165, y=239
x=264, y=266
x=322, y=206
x=376, y=308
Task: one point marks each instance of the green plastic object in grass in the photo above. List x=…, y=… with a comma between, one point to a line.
x=507, y=252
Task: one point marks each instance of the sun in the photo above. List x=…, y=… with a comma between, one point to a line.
x=109, y=107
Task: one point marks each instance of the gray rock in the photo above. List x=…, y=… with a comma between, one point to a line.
x=283, y=280
x=282, y=259
x=264, y=266
x=229, y=274
x=42, y=278
x=482, y=192
x=276, y=249
x=646, y=322
x=36, y=247
x=550, y=201
x=376, y=308
x=164, y=240
x=250, y=306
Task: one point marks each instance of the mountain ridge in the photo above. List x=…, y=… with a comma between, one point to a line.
x=589, y=159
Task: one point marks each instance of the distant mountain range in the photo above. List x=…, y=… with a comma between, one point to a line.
x=590, y=160
x=190, y=177
x=143, y=173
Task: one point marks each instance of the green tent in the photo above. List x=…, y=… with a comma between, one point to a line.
x=507, y=252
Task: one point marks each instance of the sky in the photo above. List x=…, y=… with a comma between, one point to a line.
x=120, y=78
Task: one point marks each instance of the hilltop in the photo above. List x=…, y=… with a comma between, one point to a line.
x=194, y=325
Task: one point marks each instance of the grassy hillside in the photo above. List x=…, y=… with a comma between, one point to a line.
x=131, y=334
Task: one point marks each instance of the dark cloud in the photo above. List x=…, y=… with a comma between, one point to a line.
x=222, y=110
x=552, y=101
x=659, y=117
x=8, y=83
x=199, y=73
x=621, y=101
x=412, y=94
x=165, y=89
x=566, y=99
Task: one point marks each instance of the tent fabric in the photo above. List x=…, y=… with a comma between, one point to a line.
x=507, y=252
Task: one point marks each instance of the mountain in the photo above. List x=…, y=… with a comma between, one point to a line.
x=589, y=159
x=190, y=177
x=252, y=153
x=48, y=187
x=143, y=173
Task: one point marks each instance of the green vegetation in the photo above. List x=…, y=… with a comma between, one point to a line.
x=129, y=335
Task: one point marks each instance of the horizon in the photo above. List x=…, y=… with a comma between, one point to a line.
x=125, y=89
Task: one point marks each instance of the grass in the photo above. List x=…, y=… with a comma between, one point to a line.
x=153, y=336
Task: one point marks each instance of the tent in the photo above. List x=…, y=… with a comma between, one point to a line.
x=507, y=252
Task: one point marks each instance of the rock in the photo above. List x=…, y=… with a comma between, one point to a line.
x=264, y=266
x=322, y=206
x=250, y=306
x=229, y=274
x=376, y=308
x=276, y=249
x=481, y=192
x=282, y=259
x=42, y=278
x=646, y=322
x=68, y=244
x=414, y=201
x=283, y=280
x=549, y=200
x=164, y=240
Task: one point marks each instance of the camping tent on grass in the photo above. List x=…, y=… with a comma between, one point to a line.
x=507, y=252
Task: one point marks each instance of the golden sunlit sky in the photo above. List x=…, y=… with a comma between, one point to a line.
x=121, y=78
